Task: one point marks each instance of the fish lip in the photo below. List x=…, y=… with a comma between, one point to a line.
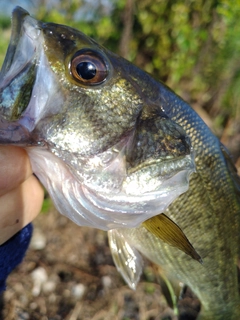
x=23, y=25
x=18, y=17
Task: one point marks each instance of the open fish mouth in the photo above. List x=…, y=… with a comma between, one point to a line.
x=123, y=184
x=18, y=70
x=25, y=83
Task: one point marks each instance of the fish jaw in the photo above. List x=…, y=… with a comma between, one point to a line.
x=87, y=207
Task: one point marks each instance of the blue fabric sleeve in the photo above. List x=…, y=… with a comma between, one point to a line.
x=12, y=253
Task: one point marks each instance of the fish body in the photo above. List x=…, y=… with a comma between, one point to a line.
x=209, y=215
x=115, y=148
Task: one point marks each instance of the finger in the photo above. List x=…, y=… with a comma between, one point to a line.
x=15, y=167
x=19, y=207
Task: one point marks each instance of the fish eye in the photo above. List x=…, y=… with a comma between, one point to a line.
x=89, y=67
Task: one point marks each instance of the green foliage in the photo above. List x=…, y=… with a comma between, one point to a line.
x=5, y=22
x=149, y=288
x=47, y=204
x=194, y=47
x=4, y=40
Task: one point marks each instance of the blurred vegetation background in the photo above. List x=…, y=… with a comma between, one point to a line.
x=192, y=46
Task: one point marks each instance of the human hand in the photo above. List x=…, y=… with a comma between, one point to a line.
x=21, y=194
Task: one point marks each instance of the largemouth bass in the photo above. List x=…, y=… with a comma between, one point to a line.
x=119, y=151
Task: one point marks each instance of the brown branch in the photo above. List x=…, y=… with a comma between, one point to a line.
x=127, y=28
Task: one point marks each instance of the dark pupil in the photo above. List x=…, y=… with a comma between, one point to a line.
x=86, y=70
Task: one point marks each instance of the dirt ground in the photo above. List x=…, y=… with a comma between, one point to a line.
x=68, y=273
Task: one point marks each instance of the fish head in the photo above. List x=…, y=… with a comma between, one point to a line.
x=94, y=125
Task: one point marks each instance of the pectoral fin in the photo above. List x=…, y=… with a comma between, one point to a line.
x=169, y=232
x=127, y=259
